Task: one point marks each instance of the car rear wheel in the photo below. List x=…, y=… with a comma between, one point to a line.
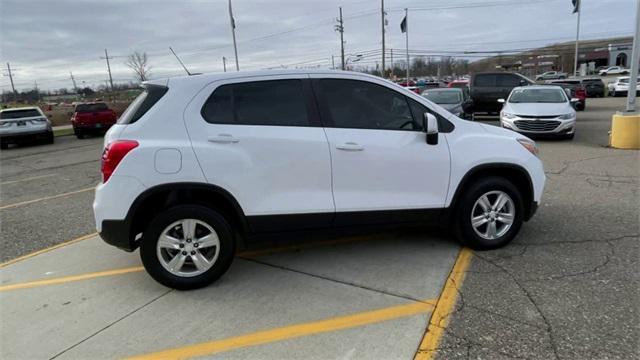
x=490, y=214
x=187, y=247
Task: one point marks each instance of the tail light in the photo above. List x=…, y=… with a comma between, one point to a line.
x=113, y=154
x=581, y=92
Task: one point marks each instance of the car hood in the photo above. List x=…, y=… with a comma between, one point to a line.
x=538, y=109
x=450, y=107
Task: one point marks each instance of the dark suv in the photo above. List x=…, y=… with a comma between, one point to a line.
x=487, y=88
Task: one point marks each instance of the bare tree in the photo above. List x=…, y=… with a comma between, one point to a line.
x=138, y=63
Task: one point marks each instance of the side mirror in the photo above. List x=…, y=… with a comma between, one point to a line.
x=523, y=82
x=575, y=100
x=431, y=128
x=501, y=101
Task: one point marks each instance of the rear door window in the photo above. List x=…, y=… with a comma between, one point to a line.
x=485, y=80
x=273, y=102
x=508, y=80
x=364, y=105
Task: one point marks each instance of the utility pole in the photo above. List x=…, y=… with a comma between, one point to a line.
x=13, y=88
x=340, y=28
x=35, y=85
x=635, y=60
x=383, y=21
x=333, y=63
x=406, y=17
x=106, y=57
x=224, y=64
x=233, y=33
x=73, y=80
x=575, y=56
x=391, y=50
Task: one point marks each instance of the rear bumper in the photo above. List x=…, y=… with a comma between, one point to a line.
x=118, y=234
x=95, y=126
x=27, y=135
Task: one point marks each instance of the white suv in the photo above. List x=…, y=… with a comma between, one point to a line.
x=197, y=164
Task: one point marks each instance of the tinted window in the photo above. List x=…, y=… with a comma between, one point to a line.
x=485, y=80
x=534, y=95
x=363, y=105
x=142, y=104
x=17, y=114
x=277, y=102
x=508, y=80
x=92, y=107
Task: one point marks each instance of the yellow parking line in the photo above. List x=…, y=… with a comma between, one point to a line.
x=24, y=257
x=45, y=198
x=72, y=278
x=292, y=331
x=27, y=179
x=444, y=307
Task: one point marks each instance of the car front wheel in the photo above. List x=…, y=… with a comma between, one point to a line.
x=490, y=214
x=187, y=247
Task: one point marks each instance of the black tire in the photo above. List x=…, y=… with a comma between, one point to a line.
x=569, y=136
x=79, y=133
x=49, y=139
x=463, y=228
x=4, y=145
x=151, y=235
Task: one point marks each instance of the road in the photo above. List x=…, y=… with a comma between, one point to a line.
x=566, y=288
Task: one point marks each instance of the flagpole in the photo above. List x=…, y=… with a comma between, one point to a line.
x=406, y=16
x=233, y=33
x=575, y=56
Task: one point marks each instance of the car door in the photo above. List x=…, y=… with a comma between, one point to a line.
x=260, y=139
x=379, y=155
x=484, y=92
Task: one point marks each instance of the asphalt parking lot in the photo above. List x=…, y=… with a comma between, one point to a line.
x=566, y=288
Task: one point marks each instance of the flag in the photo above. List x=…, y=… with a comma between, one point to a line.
x=403, y=25
x=576, y=6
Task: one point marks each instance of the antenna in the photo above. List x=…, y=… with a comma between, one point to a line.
x=180, y=61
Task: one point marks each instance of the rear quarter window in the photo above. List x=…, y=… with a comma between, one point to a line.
x=142, y=104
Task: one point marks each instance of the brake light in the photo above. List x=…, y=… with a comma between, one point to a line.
x=113, y=154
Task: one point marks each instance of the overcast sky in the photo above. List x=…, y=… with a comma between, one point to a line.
x=45, y=39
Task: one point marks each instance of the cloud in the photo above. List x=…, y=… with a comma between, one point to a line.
x=45, y=39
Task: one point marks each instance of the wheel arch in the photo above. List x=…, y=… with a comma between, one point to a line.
x=514, y=173
x=157, y=198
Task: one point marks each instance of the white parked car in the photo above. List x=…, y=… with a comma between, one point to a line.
x=23, y=124
x=539, y=110
x=197, y=163
x=613, y=70
x=620, y=87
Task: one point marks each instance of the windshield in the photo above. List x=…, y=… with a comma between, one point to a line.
x=443, y=97
x=626, y=81
x=92, y=107
x=537, y=96
x=17, y=114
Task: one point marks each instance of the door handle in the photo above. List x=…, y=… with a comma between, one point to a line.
x=223, y=139
x=350, y=146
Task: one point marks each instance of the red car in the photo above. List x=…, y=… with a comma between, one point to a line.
x=95, y=117
x=458, y=84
